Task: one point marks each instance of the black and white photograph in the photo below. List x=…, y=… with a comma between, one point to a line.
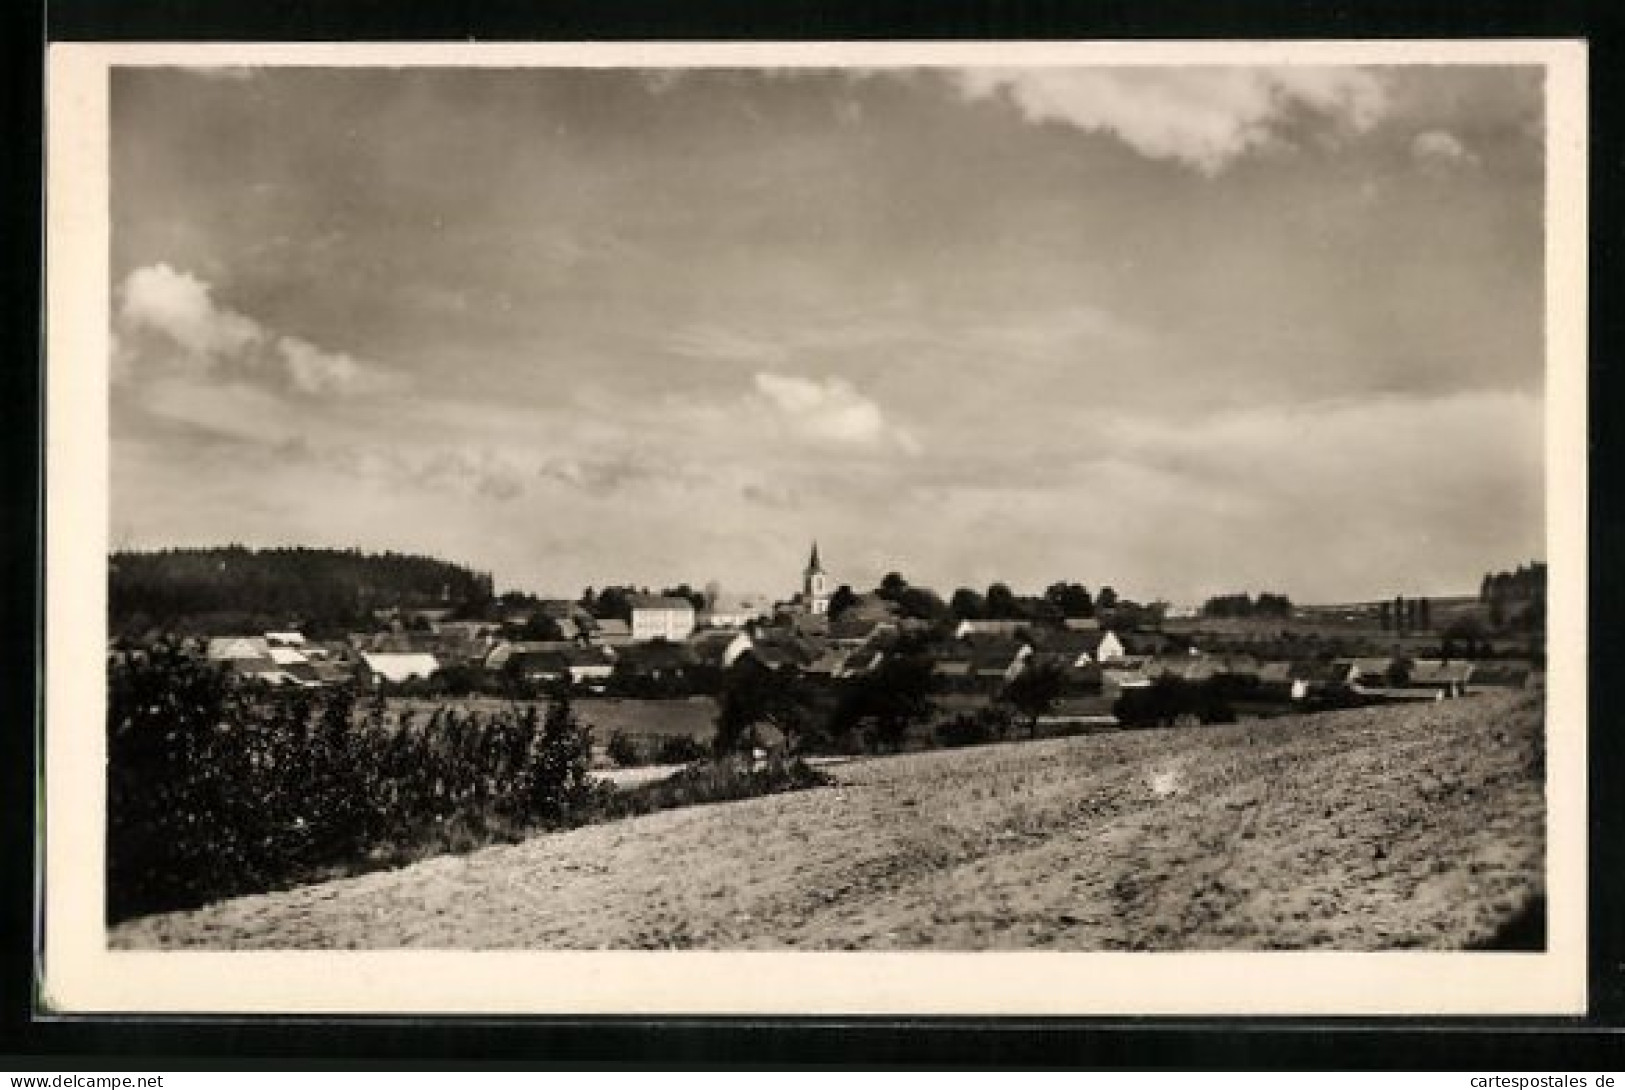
x=888, y=510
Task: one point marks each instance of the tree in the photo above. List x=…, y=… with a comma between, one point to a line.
x=923, y=604
x=888, y=701
x=1001, y=603
x=1106, y=599
x=967, y=605
x=1070, y=599
x=753, y=693
x=891, y=586
x=842, y=600
x=1034, y=692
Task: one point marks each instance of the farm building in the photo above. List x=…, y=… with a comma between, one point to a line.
x=1448, y=677
x=657, y=617
x=381, y=667
x=589, y=666
x=1008, y=629
x=1081, y=646
x=720, y=647
x=228, y=648
x=609, y=632
x=736, y=611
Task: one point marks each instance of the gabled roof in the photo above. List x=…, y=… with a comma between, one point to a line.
x=657, y=601
x=586, y=656
x=613, y=626
x=238, y=647
x=287, y=656
x=1439, y=672
x=398, y=666
x=656, y=655
x=862, y=662
x=1064, y=640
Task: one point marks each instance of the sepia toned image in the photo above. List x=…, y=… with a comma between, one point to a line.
x=655, y=507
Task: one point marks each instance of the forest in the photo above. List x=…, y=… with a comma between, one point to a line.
x=233, y=589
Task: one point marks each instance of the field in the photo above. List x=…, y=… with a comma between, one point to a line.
x=1378, y=828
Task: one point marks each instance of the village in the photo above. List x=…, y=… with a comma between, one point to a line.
x=670, y=649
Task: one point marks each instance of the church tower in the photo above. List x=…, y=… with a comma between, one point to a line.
x=815, y=584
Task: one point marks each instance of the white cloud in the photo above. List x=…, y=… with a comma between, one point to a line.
x=1440, y=146
x=180, y=308
x=316, y=372
x=831, y=410
x=1202, y=117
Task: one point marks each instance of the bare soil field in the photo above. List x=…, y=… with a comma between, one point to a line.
x=1372, y=829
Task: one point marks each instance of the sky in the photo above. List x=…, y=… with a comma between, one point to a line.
x=1177, y=330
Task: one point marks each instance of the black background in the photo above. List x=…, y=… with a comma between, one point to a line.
x=30, y=1040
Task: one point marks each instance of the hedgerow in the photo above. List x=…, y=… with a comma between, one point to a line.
x=216, y=789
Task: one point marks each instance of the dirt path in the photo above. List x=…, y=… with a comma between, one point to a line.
x=1374, y=829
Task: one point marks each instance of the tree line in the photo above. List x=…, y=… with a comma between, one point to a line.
x=237, y=588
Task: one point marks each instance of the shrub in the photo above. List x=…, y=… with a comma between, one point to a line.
x=624, y=750
x=216, y=789
x=723, y=779
x=679, y=749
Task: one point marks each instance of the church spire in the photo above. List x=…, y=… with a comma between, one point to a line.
x=813, y=564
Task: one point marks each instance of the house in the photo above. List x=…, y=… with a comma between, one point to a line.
x=1083, y=646
x=392, y=667
x=1007, y=629
x=658, y=617
x=861, y=662
x=736, y=611
x=828, y=664
x=1447, y=676
x=996, y=663
x=503, y=653
x=719, y=647
x=658, y=660
x=589, y=666
x=610, y=632
x=261, y=669
x=285, y=639
x=853, y=633
x=229, y=648
x=951, y=669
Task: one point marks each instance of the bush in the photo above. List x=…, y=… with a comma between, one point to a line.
x=216, y=789
x=721, y=780
x=624, y=750
x=989, y=724
x=679, y=749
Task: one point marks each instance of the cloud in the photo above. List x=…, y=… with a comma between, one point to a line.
x=179, y=308
x=314, y=371
x=830, y=410
x=1440, y=147
x=1202, y=117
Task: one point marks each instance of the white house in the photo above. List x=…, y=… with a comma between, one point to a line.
x=396, y=667
x=661, y=618
x=737, y=611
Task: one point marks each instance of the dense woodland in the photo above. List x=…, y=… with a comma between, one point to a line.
x=229, y=590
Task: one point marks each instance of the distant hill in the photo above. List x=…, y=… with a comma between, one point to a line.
x=214, y=591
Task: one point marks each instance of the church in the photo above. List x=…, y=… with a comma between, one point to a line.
x=813, y=600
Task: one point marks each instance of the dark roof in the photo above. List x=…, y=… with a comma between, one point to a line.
x=655, y=655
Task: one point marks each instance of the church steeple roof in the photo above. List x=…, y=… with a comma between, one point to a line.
x=813, y=563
